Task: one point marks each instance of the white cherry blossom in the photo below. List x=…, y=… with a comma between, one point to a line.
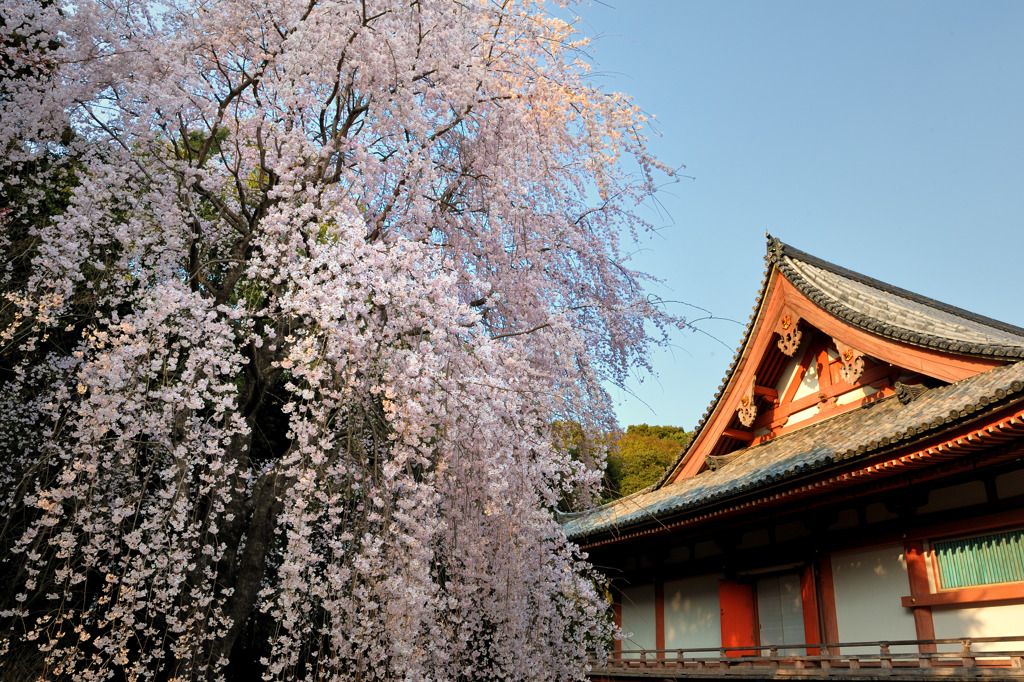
x=280, y=373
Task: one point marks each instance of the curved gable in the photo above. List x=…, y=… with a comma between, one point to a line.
x=825, y=340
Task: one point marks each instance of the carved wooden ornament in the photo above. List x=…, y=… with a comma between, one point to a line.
x=853, y=362
x=789, y=332
x=747, y=410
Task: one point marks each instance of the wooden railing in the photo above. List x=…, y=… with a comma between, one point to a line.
x=1004, y=659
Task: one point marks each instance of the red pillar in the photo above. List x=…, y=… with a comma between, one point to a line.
x=827, y=599
x=917, y=572
x=809, y=599
x=659, y=616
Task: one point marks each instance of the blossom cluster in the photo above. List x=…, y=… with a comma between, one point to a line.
x=280, y=375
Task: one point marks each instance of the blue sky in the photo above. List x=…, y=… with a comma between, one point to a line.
x=887, y=137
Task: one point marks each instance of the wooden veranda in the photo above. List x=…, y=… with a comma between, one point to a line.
x=935, y=659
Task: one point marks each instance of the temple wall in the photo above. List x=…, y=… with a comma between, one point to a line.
x=868, y=587
x=692, y=613
x=987, y=621
x=638, y=617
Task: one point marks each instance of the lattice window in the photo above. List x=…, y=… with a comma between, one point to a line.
x=980, y=560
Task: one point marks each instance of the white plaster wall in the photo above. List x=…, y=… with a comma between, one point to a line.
x=855, y=394
x=692, y=614
x=868, y=587
x=809, y=384
x=986, y=621
x=802, y=415
x=638, y=617
x=789, y=373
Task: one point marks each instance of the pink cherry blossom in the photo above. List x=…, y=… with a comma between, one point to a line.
x=285, y=368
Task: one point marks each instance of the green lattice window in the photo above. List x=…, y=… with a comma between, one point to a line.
x=981, y=560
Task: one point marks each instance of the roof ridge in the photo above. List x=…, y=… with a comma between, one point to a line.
x=777, y=248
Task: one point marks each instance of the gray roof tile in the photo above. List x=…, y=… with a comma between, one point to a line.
x=854, y=434
x=893, y=312
x=877, y=307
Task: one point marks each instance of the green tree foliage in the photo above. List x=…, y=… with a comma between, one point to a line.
x=633, y=459
x=641, y=455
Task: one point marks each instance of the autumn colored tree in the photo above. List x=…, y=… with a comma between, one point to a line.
x=642, y=454
x=284, y=355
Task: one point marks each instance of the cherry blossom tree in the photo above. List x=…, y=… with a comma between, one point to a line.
x=281, y=361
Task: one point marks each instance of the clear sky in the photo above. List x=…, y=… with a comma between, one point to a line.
x=887, y=137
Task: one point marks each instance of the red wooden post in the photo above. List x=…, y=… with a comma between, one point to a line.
x=809, y=597
x=829, y=621
x=617, y=616
x=659, y=616
x=917, y=573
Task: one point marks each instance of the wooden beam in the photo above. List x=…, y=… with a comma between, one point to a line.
x=738, y=435
x=942, y=365
x=769, y=393
x=971, y=595
x=975, y=526
x=834, y=391
x=824, y=373
x=781, y=295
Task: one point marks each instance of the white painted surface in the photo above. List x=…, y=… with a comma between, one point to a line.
x=809, y=384
x=638, y=624
x=789, y=373
x=692, y=614
x=929, y=562
x=987, y=621
x=802, y=415
x=855, y=395
x=868, y=587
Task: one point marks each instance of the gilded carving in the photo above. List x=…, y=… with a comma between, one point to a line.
x=747, y=410
x=853, y=362
x=789, y=333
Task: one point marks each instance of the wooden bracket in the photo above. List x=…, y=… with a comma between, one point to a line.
x=747, y=410
x=853, y=362
x=789, y=332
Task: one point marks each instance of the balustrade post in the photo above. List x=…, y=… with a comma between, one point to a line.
x=884, y=657
x=967, y=654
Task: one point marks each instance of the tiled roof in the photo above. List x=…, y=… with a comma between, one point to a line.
x=892, y=312
x=876, y=307
x=854, y=434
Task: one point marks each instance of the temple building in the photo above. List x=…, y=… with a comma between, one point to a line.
x=851, y=504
